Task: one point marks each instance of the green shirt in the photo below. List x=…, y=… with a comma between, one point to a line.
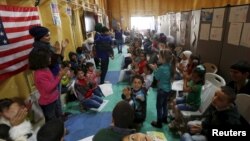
x=194, y=97
x=163, y=76
x=111, y=134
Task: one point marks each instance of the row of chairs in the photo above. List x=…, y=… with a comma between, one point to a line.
x=213, y=82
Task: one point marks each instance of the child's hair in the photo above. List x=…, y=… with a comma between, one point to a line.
x=195, y=60
x=105, y=29
x=144, y=54
x=242, y=66
x=123, y=115
x=200, y=70
x=65, y=64
x=138, y=40
x=138, y=77
x=162, y=38
x=77, y=70
x=52, y=130
x=168, y=57
x=71, y=54
x=89, y=64
x=5, y=104
x=229, y=92
x=79, y=50
x=39, y=58
x=19, y=100
x=4, y=132
x=172, y=46
x=149, y=68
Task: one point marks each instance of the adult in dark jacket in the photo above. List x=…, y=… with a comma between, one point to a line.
x=104, y=50
x=42, y=40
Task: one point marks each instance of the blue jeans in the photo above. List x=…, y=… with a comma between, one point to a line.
x=182, y=105
x=52, y=110
x=119, y=44
x=92, y=102
x=161, y=104
x=98, y=92
x=188, y=137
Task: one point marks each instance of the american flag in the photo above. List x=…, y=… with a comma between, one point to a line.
x=15, y=41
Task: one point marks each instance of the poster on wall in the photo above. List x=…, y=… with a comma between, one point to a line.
x=216, y=33
x=238, y=14
x=69, y=11
x=55, y=14
x=218, y=17
x=204, y=31
x=206, y=15
x=245, y=37
x=173, y=25
x=234, y=33
x=183, y=26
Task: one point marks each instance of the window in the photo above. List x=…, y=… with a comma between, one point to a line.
x=143, y=23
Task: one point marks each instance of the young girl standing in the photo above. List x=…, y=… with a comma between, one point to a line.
x=46, y=83
x=163, y=75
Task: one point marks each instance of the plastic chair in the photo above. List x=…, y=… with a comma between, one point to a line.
x=207, y=95
x=215, y=79
x=210, y=68
x=213, y=82
x=243, y=104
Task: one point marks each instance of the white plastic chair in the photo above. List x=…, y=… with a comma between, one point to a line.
x=213, y=82
x=215, y=79
x=243, y=105
x=210, y=68
x=207, y=95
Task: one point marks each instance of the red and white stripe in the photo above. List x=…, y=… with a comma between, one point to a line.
x=16, y=22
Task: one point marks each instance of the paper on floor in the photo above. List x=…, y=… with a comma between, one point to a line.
x=106, y=89
x=87, y=139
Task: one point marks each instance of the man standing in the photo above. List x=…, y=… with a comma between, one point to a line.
x=119, y=38
x=104, y=50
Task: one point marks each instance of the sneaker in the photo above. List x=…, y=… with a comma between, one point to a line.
x=156, y=124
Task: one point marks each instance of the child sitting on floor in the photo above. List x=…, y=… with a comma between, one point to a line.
x=93, y=77
x=67, y=77
x=84, y=92
x=136, y=97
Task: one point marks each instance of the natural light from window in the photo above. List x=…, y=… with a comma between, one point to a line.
x=143, y=23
